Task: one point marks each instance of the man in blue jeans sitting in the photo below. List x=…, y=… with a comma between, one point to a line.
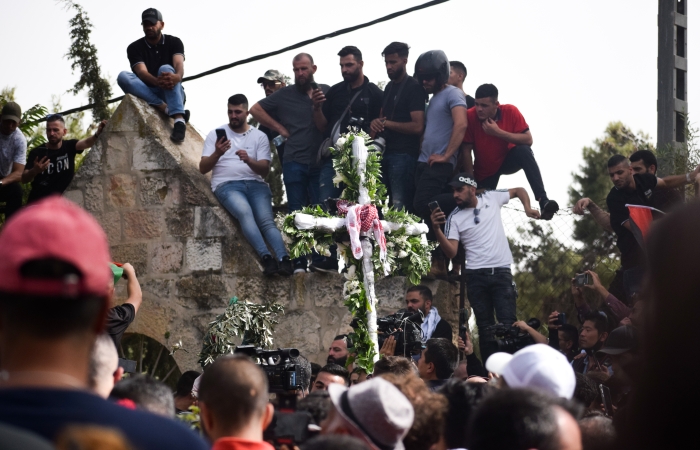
x=476, y=224
x=158, y=65
x=239, y=161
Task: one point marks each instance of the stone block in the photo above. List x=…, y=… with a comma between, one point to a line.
x=239, y=257
x=111, y=224
x=180, y=222
x=149, y=154
x=134, y=254
x=208, y=291
x=92, y=162
x=122, y=191
x=75, y=195
x=300, y=330
x=117, y=156
x=94, y=197
x=191, y=195
x=166, y=257
x=158, y=288
x=203, y=254
x=264, y=289
x=211, y=222
x=325, y=288
x=391, y=294
x=143, y=224
x=153, y=191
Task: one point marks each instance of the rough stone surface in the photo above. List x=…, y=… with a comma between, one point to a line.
x=189, y=254
x=203, y=254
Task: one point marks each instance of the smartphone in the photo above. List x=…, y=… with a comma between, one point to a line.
x=314, y=85
x=561, y=319
x=433, y=205
x=606, y=400
x=582, y=279
x=221, y=133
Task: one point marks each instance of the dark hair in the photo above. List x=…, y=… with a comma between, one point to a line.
x=459, y=66
x=334, y=441
x=462, y=399
x=185, y=383
x=645, y=155
x=516, y=419
x=398, y=365
x=318, y=404
x=570, y=334
x=344, y=337
x=423, y=290
x=315, y=369
x=351, y=50
x=616, y=159
x=443, y=354
x=234, y=389
x=147, y=392
x=238, y=99
x=305, y=371
x=487, y=90
x=586, y=389
x=429, y=411
x=597, y=433
x=399, y=48
x=599, y=319
x=304, y=55
x=55, y=118
x=338, y=370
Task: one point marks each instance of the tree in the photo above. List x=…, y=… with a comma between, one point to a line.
x=683, y=158
x=84, y=56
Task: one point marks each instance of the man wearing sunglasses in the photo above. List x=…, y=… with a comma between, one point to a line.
x=476, y=224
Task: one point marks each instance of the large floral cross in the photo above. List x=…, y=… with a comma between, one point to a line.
x=396, y=245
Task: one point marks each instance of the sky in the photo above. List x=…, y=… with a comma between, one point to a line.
x=570, y=67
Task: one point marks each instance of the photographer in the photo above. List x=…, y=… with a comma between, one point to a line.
x=534, y=334
x=563, y=337
x=619, y=310
x=594, y=333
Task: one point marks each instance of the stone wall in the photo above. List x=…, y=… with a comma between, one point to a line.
x=190, y=255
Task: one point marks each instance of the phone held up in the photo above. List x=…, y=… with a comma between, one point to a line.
x=606, y=400
x=221, y=133
x=314, y=86
x=582, y=279
x=433, y=206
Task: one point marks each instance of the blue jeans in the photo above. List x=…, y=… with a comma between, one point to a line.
x=398, y=170
x=489, y=290
x=250, y=202
x=301, y=184
x=326, y=189
x=174, y=98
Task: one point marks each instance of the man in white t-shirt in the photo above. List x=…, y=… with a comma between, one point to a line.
x=238, y=163
x=476, y=224
x=13, y=158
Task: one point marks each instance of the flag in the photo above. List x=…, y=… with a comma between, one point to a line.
x=640, y=220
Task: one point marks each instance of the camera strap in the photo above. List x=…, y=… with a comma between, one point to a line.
x=390, y=86
x=335, y=132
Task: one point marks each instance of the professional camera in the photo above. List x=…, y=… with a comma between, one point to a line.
x=282, y=374
x=356, y=122
x=379, y=144
x=508, y=339
x=405, y=327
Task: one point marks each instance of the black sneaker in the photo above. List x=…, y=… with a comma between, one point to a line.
x=548, y=208
x=179, y=130
x=269, y=265
x=300, y=266
x=187, y=116
x=327, y=265
x=286, y=267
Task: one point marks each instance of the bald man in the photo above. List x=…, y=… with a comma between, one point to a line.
x=104, y=366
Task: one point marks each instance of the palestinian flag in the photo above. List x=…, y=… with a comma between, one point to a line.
x=640, y=220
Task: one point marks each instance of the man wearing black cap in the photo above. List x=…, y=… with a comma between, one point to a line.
x=476, y=224
x=158, y=65
x=13, y=157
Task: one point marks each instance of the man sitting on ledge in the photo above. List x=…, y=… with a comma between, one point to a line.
x=237, y=182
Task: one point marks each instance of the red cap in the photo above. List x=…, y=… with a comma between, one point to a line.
x=54, y=228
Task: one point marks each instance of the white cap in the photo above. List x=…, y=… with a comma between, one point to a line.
x=535, y=366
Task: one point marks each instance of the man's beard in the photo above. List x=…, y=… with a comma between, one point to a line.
x=396, y=75
x=339, y=361
x=303, y=88
x=351, y=77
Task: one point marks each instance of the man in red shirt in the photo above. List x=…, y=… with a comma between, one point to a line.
x=501, y=141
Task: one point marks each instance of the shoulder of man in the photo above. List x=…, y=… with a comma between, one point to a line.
x=170, y=39
x=645, y=181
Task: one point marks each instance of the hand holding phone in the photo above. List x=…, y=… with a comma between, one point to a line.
x=223, y=144
x=433, y=205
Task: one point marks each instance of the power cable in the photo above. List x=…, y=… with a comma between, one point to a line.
x=277, y=52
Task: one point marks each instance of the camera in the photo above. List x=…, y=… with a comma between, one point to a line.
x=405, y=327
x=282, y=374
x=379, y=144
x=582, y=279
x=356, y=122
x=508, y=339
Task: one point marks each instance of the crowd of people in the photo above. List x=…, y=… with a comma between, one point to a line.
x=596, y=385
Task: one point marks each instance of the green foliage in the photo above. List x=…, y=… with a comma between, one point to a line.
x=274, y=178
x=84, y=56
x=191, y=418
x=363, y=352
x=683, y=158
x=249, y=321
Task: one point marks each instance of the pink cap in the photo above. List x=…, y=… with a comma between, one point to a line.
x=58, y=229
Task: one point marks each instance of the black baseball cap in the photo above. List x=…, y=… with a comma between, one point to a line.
x=463, y=179
x=151, y=15
x=621, y=340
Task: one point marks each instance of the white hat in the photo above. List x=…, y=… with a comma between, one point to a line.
x=535, y=366
x=377, y=408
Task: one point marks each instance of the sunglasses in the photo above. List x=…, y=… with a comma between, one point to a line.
x=477, y=219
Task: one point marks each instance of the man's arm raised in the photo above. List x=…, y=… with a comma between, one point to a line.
x=525, y=200
x=601, y=217
x=449, y=246
x=674, y=181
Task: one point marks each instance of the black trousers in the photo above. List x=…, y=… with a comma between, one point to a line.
x=519, y=157
x=11, y=194
x=430, y=186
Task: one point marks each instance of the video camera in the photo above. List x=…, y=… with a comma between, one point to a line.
x=289, y=426
x=508, y=339
x=405, y=327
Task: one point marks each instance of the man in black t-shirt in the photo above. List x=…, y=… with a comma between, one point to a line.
x=119, y=317
x=458, y=73
x=271, y=82
x=50, y=167
x=400, y=124
x=158, y=64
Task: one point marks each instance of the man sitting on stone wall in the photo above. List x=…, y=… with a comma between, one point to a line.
x=158, y=65
x=237, y=182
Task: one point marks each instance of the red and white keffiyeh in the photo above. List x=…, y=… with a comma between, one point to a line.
x=359, y=219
